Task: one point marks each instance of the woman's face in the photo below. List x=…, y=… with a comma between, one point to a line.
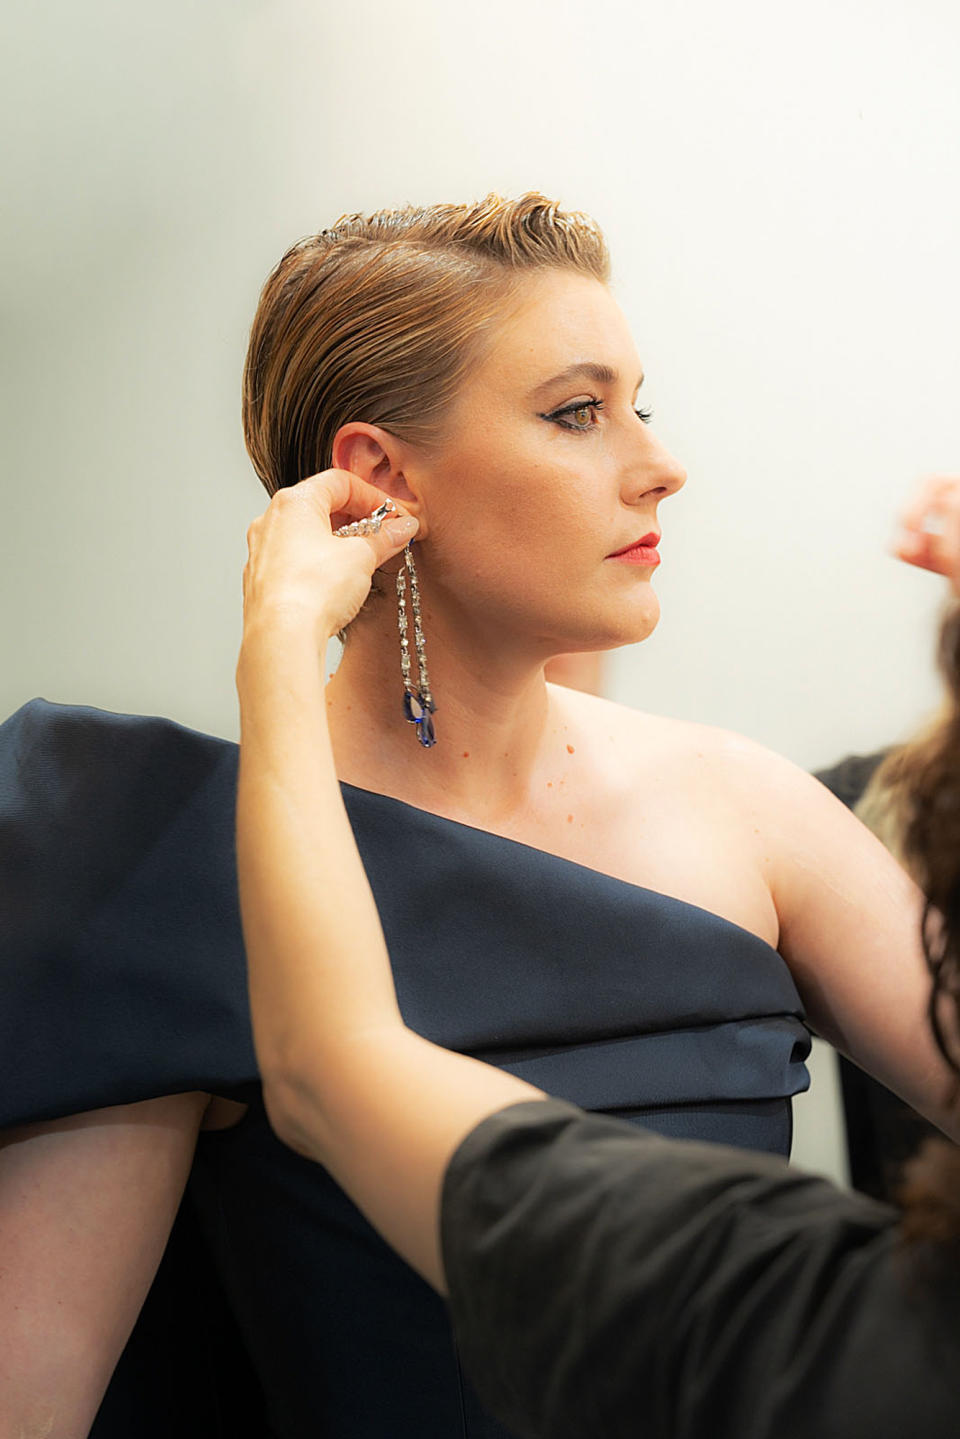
x=543, y=471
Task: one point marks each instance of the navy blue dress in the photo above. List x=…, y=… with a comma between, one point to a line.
x=122, y=977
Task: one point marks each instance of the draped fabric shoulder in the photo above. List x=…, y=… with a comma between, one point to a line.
x=122, y=972
x=123, y=977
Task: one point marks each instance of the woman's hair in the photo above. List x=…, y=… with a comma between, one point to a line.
x=380, y=318
x=912, y=804
x=887, y=802
x=925, y=776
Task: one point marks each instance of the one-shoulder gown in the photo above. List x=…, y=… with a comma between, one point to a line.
x=278, y=1310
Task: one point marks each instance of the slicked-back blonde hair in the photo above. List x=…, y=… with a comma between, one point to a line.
x=380, y=317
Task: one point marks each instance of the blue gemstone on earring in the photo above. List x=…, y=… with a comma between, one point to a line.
x=428, y=704
x=413, y=707
x=425, y=731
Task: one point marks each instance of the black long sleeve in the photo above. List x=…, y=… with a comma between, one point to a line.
x=604, y=1281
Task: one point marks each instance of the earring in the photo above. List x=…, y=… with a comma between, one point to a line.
x=418, y=705
x=370, y=525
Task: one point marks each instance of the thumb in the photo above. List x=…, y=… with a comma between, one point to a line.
x=394, y=534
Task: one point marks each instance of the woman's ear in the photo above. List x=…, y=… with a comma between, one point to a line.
x=376, y=457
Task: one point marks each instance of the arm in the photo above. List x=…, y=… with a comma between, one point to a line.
x=604, y=1280
x=344, y=1081
x=849, y=925
x=86, y=1206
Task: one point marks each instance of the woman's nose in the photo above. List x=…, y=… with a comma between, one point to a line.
x=656, y=471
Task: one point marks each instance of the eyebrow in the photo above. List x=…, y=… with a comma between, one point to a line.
x=587, y=370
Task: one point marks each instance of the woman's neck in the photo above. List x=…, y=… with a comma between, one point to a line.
x=495, y=724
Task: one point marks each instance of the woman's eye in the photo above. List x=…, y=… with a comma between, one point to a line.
x=581, y=415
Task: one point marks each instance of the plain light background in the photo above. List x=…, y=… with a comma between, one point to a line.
x=778, y=187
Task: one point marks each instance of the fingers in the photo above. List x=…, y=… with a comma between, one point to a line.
x=924, y=552
x=385, y=539
x=392, y=536
x=930, y=496
x=355, y=498
x=929, y=535
x=342, y=495
x=335, y=496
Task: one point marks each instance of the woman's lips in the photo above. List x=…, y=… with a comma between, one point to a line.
x=643, y=552
x=638, y=555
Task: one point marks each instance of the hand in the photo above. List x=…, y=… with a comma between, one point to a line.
x=929, y=535
x=298, y=569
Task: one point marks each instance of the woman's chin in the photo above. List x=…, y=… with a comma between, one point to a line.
x=634, y=622
x=613, y=632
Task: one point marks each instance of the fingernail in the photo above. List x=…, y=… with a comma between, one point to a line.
x=402, y=528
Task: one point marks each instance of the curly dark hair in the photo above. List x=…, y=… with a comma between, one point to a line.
x=930, y=1191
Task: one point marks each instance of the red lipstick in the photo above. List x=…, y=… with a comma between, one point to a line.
x=639, y=552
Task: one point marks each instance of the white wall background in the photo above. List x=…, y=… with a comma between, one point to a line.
x=778, y=184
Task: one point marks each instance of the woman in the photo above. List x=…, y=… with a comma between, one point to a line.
x=603, y=1281
x=630, y=912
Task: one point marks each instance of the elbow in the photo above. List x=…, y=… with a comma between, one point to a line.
x=316, y=1103
x=291, y=1120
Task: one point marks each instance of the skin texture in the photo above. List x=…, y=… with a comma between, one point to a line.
x=86, y=1205
x=578, y=672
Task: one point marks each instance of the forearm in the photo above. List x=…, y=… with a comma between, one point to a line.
x=385, y=1117
x=345, y=1082
x=317, y=961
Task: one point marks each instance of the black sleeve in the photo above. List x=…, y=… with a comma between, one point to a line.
x=604, y=1281
x=122, y=969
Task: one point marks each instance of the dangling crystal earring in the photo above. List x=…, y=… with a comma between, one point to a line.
x=418, y=705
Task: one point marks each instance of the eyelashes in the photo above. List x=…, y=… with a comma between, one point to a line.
x=585, y=407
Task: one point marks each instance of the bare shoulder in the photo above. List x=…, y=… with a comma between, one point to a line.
x=603, y=721
x=783, y=810
x=785, y=797
x=793, y=815
x=639, y=736
x=827, y=872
